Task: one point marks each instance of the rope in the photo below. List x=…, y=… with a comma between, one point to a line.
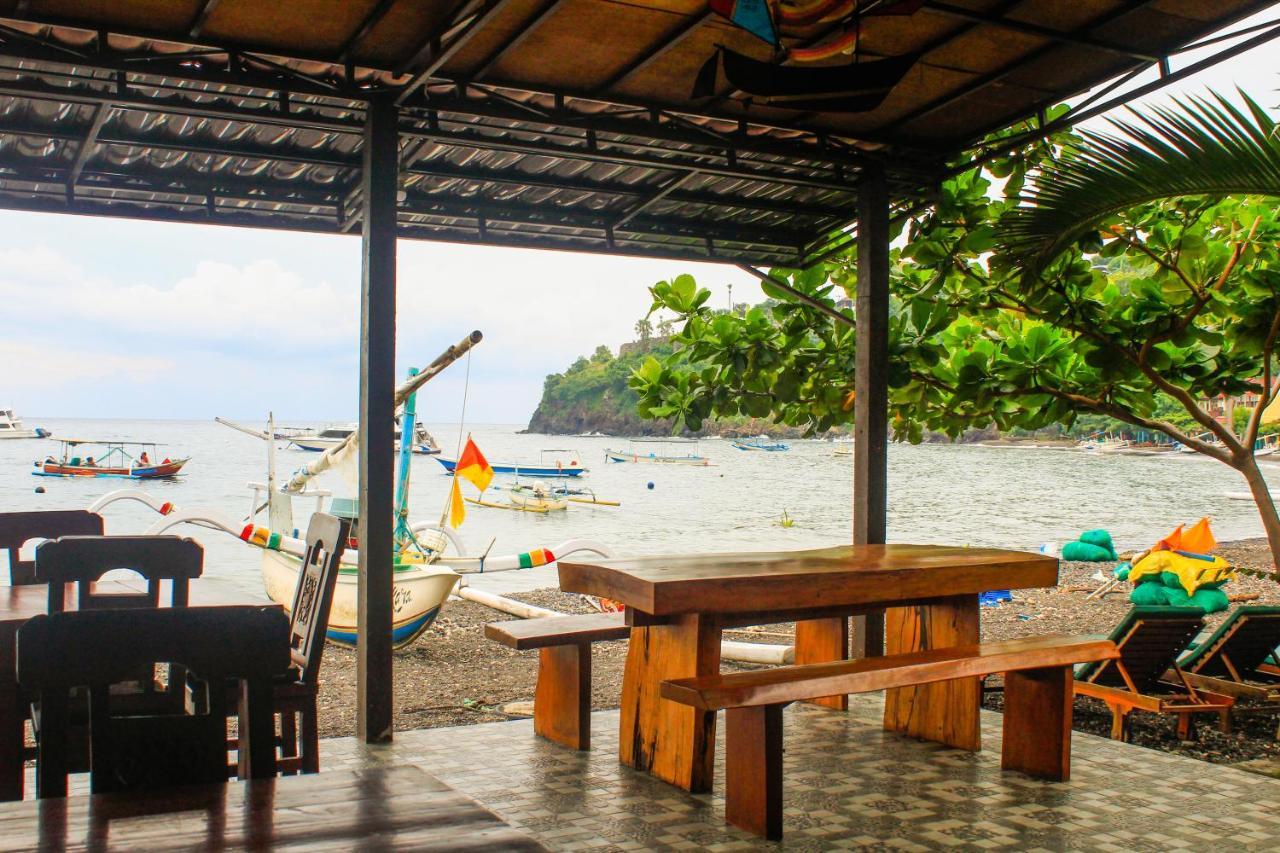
x=457, y=452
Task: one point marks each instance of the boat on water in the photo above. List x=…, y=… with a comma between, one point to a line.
x=11, y=426
x=662, y=454
x=319, y=441
x=542, y=468
x=538, y=496
x=132, y=460
x=847, y=450
x=761, y=442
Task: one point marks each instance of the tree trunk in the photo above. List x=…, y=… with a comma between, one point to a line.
x=1266, y=506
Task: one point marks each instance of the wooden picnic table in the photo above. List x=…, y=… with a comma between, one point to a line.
x=678, y=607
x=20, y=603
x=379, y=808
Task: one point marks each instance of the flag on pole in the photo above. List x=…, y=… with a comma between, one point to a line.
x=474, y=467
x=457, y=509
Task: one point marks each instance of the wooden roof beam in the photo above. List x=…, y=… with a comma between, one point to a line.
x=951, y=11
x=201, y=18
x=991, y=77
x=437, y=50
x=376, y=14
x=515, y=39
x=669, y=41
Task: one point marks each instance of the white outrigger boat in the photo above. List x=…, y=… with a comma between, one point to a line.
x=663, y=455
x=430, y=558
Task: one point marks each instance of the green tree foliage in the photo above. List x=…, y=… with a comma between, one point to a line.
x=1156, y=307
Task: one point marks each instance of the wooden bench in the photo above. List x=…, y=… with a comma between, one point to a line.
x=562, y=700
x=1037, y=709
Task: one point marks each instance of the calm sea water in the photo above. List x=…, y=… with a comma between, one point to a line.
x=941, y=494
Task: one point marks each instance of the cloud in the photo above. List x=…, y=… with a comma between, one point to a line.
x=51, y=368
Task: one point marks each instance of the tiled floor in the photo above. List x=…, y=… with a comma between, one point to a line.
x=848, y=785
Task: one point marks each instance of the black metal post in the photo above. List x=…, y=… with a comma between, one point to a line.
x=871, y=406
x=377, y=420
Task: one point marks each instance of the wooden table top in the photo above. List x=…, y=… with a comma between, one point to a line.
x=382, y=808
x=848, y=575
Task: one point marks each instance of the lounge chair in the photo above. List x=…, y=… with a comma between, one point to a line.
x=1150, y=639
x=1239, y=659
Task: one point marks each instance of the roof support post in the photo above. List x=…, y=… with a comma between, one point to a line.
x=871, y=405
x=377, y=420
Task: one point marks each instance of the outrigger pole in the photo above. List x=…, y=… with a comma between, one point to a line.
x=410, y=386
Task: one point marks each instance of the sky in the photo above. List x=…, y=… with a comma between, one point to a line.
x=112, y=318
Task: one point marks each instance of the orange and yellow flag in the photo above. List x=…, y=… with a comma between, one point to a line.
x=474, y=467
x=457, y=509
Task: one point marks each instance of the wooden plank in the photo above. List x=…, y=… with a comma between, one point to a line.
x=946, y=712
x=562, y=698
x=753, y=770
x=557, y=630
x=795, y=683
x=673, y=742
x=377, y=421
x=854, y=575
x=820, y=641
x=1037, y=723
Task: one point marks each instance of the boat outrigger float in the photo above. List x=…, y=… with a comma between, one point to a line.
x=120, y=459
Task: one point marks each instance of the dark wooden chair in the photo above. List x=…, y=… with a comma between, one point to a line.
x=1037, y=709
x=1147, y=676
x=83, y=560
x=94, y=649
x=294, y=693
x=562, y=698
x=19, y=528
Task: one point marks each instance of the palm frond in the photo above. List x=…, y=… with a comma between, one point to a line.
x=1199, y=146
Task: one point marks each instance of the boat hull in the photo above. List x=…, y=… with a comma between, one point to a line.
x=654, y=459
x=419, y=593
x=523, y=498
x=319, y=445
x=147, y=472
x=522, y=470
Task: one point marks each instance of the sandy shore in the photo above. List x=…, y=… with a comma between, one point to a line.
x=454, y=676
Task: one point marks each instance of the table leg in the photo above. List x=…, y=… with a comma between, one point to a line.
x=12, y=725
x=674, y=742
x=821, y=641
x=947, y=711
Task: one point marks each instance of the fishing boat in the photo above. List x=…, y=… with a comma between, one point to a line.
x=761, y=442
x=538, y=496
x=662, y=455
x=843, y=451
x=542, y=468
x=133, y=460
x=11, y=427
x=332, y=436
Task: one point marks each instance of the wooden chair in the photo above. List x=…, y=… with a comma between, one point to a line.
x=1239, y=659
x=83, y=560
x=295, y=692
x=94, y=649
x=1150, y=639
x=19, y=528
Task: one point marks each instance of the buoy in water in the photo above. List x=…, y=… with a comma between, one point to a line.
x=649, y=485
x=39, y=490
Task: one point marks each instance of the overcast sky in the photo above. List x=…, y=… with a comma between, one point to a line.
x=112, y=318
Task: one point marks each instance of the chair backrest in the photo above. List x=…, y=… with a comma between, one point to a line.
x=1245, y=641
x=313, y=594
x=19, y=528
x=59, y=652
x=83, y=560
x=1150, y=639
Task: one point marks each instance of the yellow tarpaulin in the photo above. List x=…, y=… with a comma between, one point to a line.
x=1192, y=572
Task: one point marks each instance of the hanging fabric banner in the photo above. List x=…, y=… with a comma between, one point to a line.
x=754, y=16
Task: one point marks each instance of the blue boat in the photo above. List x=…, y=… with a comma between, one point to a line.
x=761, y=442
x=523, y=469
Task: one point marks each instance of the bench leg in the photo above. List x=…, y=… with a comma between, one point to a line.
x=753, y=770
x=1037, y=723
x=821, y=641
x=562, y=700
x=945, y=711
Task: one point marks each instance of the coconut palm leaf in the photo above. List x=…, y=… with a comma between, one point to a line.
x=1197, y=147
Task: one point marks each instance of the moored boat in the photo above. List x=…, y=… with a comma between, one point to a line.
x=132, y=460
x=11, y=426
x=761, y=442
x=538, y=496
x=332, y=436
x=525, y=469
x=661, y=456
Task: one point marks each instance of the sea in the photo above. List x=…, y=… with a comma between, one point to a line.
x=1014, y=497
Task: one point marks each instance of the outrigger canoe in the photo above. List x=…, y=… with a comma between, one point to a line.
x=522, y=469
x=115, y=459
